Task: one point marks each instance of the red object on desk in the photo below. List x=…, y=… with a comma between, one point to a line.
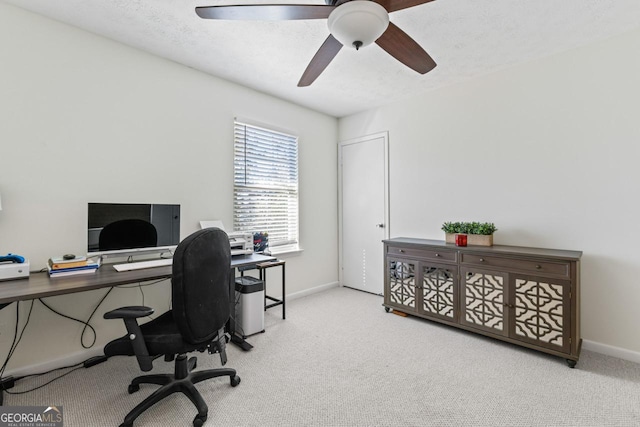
x=461, y=240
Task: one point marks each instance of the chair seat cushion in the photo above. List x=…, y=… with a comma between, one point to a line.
x=161, y=335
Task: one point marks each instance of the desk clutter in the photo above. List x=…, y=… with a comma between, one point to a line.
x=13, y=266
x=71, y=266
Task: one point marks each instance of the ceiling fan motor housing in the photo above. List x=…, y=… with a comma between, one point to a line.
x=358, y=23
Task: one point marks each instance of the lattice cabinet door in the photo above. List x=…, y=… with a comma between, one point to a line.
x=483, y=300
x=439, y=291
x=401, y=284
x=541, y=311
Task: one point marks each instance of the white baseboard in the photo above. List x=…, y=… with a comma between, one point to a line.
x=312, y=291
x=609, y=350
x=66, y=360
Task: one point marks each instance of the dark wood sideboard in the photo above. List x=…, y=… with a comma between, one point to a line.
x=525, y=296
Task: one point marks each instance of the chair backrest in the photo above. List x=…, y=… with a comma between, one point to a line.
x=128, y=234
x=200, y=285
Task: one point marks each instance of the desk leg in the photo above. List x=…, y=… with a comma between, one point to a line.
x=231, y=324
x=276, y=302
x=284, y=298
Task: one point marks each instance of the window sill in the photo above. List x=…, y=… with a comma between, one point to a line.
x=288, y=250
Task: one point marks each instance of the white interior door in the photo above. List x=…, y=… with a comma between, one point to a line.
x=364, y=211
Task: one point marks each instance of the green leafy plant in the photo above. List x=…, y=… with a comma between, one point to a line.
x=484, y=228
x=451, y=227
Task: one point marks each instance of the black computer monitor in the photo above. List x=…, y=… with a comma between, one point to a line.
x=131, y=238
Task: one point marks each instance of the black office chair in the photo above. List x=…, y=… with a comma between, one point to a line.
x=128, y=234
x=200, y=310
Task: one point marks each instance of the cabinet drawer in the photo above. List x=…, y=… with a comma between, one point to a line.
x=423, y=253
x=546, y=267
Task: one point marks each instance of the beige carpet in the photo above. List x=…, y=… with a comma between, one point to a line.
x=340, y=360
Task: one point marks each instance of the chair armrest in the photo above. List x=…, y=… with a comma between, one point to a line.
x=129, y=316
x=132, y=312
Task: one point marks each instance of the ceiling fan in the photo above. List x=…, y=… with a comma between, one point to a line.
x=353, y=23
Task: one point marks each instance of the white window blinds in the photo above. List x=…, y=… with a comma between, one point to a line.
x=266, y=183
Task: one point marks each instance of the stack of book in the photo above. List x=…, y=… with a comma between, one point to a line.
x=60, y=266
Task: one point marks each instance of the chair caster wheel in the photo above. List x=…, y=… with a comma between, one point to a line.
x=133, y=388
x=199, y=420
x=235, y=381
x=387, y=309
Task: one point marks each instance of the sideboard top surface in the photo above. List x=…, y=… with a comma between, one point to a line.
x=496, y=249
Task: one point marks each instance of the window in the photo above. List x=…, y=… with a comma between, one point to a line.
x=266, y=184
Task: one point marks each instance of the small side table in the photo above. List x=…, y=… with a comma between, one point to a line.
x=262, y=268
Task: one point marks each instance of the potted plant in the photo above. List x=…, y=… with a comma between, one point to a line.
x=478, y=233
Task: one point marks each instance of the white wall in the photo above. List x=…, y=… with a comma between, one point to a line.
x=87, y=119
x=546, y=150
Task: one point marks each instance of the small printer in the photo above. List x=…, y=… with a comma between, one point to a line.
x=13, y=267
x=241, y=242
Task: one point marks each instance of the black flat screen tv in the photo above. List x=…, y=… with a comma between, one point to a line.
x=121, y=229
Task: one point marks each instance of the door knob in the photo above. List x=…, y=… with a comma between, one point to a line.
x=380, y=225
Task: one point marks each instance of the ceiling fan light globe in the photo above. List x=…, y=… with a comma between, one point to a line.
x=360, y=21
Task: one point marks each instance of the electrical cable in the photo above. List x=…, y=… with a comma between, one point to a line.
x=14, y=345
x=140, y=286
x=49, y=371
x=141, y=293
x=86, y=324
x=77, y=366
x=16, y=338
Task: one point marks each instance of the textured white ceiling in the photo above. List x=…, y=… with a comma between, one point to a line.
x=466, y=38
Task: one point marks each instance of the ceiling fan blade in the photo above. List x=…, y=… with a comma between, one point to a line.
x=265, y=12
x=405, y=49
x=403, y=4
x=321, y=59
